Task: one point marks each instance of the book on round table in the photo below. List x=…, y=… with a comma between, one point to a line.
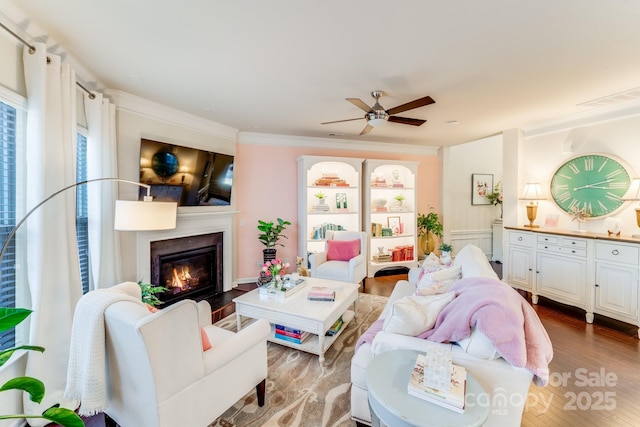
x=453, y=399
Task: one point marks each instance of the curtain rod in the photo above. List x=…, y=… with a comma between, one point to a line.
x=32, y=50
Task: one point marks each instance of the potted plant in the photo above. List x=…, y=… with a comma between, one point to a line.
x=149, y=292
x=270, y=232
x=9, y=318
x=399, y=198
x=445, y=256
x=429, y=225
x=320, y=196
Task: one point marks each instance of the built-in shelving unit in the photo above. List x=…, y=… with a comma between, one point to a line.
x=339, y=180
x=389, y=213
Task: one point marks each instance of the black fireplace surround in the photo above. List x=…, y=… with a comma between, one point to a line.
x=189, y=267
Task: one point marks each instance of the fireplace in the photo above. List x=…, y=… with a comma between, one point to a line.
x=189, y=267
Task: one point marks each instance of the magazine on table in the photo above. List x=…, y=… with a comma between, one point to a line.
x=453, y=399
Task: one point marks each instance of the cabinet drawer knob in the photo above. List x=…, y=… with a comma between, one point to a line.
x=573, y=252
x=597, y=286
x=615, y=252
x=520, y=239
x=573, y=243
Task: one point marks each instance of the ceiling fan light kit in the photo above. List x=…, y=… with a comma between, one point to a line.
x=377, y=115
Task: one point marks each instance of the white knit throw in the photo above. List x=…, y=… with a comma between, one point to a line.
x=87, y=371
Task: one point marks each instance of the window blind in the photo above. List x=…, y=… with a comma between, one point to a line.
x=7, y=213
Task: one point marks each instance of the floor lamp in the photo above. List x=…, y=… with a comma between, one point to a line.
x=633, y=194
x=533, y=193
x=130, y=215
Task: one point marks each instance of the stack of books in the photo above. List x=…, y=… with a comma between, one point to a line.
x=321, y=293
x=335, y=327
x=426, y=382
x=286, y=333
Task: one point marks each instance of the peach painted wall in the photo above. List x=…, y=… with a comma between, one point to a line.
x=265, y=187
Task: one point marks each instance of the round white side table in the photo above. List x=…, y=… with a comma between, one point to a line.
x=387, y=378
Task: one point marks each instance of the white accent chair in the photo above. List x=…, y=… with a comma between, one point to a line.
x=157, y=373
x=353, y=271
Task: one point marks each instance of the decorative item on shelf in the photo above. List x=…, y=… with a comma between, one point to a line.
x=387, y=232
x=382, y=255
x=393, y=222
x=379, y=205
x=445, y=255
x=495, y=197
x=395, y=181
x=341, y=201
x=579, y=215
x=330, y=179
x=613, y=226
x=533, y=193
x=376, y=229
x=321, y=206
x=320, y=231
x=399, y=198
x=379, y=181
x=429, y=225
x=633, y=194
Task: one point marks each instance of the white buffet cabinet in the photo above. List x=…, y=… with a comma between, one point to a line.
x=595, y=272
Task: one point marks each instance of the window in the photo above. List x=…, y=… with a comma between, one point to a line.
x=82, y=216
x=7, y=213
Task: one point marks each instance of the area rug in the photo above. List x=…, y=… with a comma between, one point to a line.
x=300, y=391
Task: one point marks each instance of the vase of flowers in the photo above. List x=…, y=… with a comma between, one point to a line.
x=275, y=270
x=495, y=197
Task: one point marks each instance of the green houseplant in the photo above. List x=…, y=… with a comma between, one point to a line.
x=149, y=292
x=429, y=225
x=445, y=247
x=9, y=318
x=271, y=232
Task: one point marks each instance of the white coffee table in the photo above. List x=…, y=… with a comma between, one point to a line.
x=297, y=312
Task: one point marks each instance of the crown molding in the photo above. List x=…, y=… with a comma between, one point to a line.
x=143, y=107
x=336, y=144
x=585, y=118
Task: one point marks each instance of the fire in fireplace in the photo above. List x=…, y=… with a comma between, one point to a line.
x=189, y=267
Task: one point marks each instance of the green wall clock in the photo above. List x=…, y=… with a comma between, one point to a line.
x=593, y=182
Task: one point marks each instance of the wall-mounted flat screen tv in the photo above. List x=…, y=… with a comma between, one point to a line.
x=188, y=176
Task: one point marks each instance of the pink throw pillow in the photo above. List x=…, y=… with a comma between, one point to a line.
x=342, y=250
x=206, y=344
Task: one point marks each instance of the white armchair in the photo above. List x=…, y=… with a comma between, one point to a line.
x=352, y=265
x=157, y=372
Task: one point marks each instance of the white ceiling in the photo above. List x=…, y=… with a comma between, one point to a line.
x=285, y=66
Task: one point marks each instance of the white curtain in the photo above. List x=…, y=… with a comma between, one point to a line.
x=52, y=254
x=106, y=269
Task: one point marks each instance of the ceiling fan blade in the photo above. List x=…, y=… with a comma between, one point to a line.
x=366, y=129
x=411, y=105
x=340, y=121
x=406, y=120
x=360, y=104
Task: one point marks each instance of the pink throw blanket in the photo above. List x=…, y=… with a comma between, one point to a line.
x=501, y=314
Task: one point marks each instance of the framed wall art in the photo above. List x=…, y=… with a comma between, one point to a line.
x=481, y=185
x=393, y=222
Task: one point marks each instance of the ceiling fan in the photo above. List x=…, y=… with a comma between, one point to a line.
x=377, y=115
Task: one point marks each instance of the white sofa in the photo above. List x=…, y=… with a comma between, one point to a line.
x=506, y=386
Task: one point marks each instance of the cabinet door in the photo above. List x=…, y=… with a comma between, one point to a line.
x=561, y=278
x=520, y=268
x=616, y=291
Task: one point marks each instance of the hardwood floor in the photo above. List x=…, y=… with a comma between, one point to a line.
x=595, y=379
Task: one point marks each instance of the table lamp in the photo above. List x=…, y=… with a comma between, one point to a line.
x=533, y=193
x=130, y=215
x=633, y=194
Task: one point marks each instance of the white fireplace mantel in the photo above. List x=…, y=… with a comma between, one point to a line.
x=190, y=224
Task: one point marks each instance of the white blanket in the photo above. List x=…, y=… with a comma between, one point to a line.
x=86, y=374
